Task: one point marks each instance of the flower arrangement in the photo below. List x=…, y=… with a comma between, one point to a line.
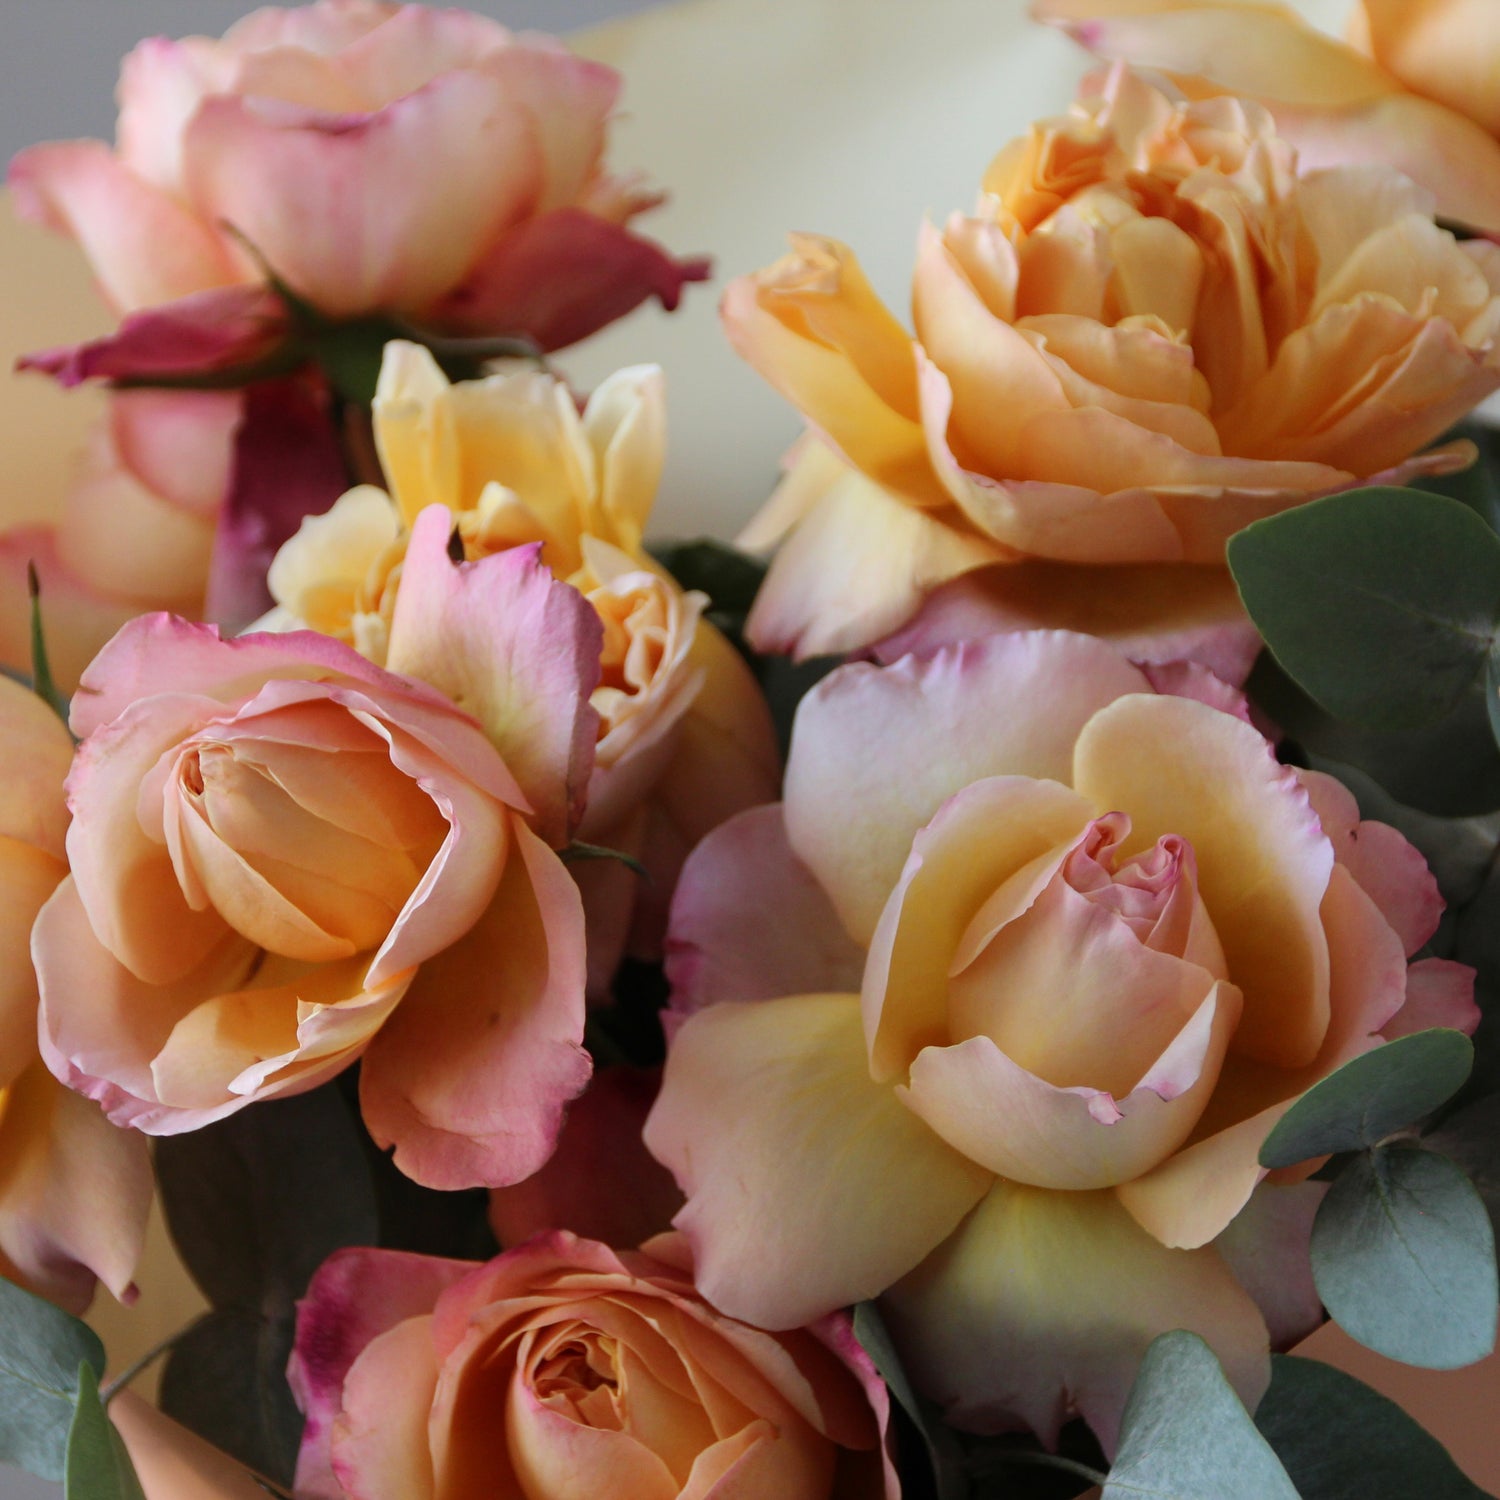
x=578, y=1051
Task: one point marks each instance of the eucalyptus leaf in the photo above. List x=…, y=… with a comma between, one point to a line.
x=1382, y=603
x=1403, y=1257
x=98, y=1467
x=41, y=1349
x=1339, y=1439
x=1470, y=1139
x=1371, y=1096
x=949, y=1482
x=1186, y=1436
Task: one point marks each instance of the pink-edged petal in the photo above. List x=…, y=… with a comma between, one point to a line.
x=346, y=209
x=287, y=464
x=1192, y=1196
x=876, y=751
x=470, y=1076
x=749, y=922
x=379, y=1447
x=1157, y=613
x=809, y=1185
x=74, y=1192
x=144, y=246
x=561, y=276
x=1043, y=1304
x=1389, y=870
x=1019, y=1126
x=514, y=648
x=600, y=1182
x=1439, y=992
x=1180, y=767
x=1266, y=1246
x=857, y=1475
x=857, y=566
x=355, y=1296
x=227, y=328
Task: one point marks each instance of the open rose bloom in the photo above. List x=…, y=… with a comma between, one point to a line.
x=567, y=1369
x=284, y=858
x=377, y=158
x=1151, y=332
x=993, y=1013
x=1413, y=89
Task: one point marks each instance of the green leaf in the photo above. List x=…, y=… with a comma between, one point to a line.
x=578, y=850
x=1338, y=1439
x=939, y=1441
x=350, y=354
x=42, y=683
x=1370, y=1097
x=1186, y=1436
x=41, y=1348
x=98, y=1467
x=730, y=578
x=1382, y=602
x=1470, y=1139
x=1403, y=1257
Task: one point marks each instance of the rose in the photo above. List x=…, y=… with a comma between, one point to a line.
x=1150, y=333
x=685, y=739
x=134, y=532
x=1414, y=89
x=1100, y=941
x=284, y=858
x=74, y=1191
x=377, y=158
x=563, y=1369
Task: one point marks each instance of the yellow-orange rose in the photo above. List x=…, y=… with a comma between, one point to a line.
x=1151, y=332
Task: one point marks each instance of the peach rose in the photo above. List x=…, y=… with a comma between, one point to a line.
x=284, y=858
x=565, y=1369
x=1150, y=333
x=1414, y=89
x=685, y=739
x=74, y=1191
x=378, y=158
x=1015, y=1017
x=134, y=532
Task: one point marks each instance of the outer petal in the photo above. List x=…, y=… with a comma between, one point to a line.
x=1266, y=1246
x=347, y=209
x=561, y=276
x=876, y=751
x=1439, y=992
x=355, y=1296
x=28, y=876
x=1043, y=1303
x=809, y=1186
x=380, y=1446
x=513, y=647
x=74, y=1192
x=143, y=245
x=1263, y=861
x=749, y=922
x=35, y=753
x=470, y=1075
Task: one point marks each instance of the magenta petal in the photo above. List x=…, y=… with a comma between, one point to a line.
x=513, y=647
x=354, y=1297
x=202, y=334
x=562, y=276
x=287, y=464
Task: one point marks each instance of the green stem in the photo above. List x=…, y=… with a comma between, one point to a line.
x=112, y=1388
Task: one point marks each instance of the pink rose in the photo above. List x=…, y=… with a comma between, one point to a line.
x=74, y=1191
x=381, y=158
x=1030, y=961
x=565, y=1369
x=284, y=858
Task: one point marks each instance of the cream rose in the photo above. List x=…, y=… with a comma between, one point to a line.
x=1029, y=962
x=565, y=1369
x=1150, y=333
x=284, y=858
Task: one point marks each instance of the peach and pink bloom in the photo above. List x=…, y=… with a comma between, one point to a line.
x=565, y=1369
x=74, y=1189
x=991, y=1016
x=1413, y=88
x=284, y=858
x=414, y=162
x=1151, y=332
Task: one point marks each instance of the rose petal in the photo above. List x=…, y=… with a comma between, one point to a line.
x=1439, y=992
x=1266, y=1247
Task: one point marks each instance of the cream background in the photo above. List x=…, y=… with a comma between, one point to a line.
x=849, y=117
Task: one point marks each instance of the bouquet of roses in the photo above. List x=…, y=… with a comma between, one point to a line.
x=579, y=1052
